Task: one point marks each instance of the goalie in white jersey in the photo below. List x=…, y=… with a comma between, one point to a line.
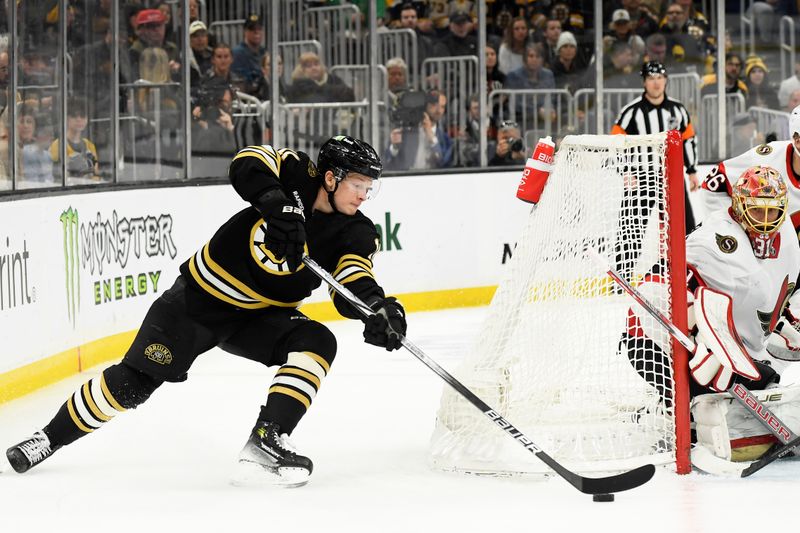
x=743, y=263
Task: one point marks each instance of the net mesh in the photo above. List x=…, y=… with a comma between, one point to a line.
x=548, y=357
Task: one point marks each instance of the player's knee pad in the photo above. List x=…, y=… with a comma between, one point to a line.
x=127, y=386
x=732, y=432
x=315, y=338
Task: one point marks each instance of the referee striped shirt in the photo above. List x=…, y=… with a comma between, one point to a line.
x=641, y=117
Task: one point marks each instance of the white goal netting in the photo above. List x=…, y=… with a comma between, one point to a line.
x=548, y=357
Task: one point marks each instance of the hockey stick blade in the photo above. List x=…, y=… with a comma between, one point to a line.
x=588, y=485
x=772, y=455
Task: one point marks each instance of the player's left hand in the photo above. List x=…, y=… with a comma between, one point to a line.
x=694, y=183
x=387, y=325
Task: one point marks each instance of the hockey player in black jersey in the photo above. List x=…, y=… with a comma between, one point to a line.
x=241, y=291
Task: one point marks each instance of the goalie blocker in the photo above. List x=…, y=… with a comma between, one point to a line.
x=742, y=264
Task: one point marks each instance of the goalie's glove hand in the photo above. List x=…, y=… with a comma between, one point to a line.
x=385, y=327
x=708, y=370
x=286, y=232
x=784, y=342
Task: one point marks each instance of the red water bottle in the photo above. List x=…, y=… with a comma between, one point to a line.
x=537, y=170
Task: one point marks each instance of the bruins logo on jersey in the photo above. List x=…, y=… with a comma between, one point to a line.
x=265, y=258
x=763, y=149
x=158, y=353
x=726, y=243
x=312, y=170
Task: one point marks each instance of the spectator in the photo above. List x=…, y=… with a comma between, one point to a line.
x=683, y=48
x=694, y=16
x=745, y=135
x=169, y=26
x=311, y=82
x=622, y=31
x=532, y=76
x=194, y=11
x=81, y=152
x=459, y=41
x=247, y=54
x=655, y=48
x=220, y=69
x=620, y=73
x=198, y=41
x=733, y=69
x=37, y=166
x=397, y=76
x=787, y=86
x=4, y=98
x=409, y=19
x=265, y=89
x=759, y=91
x=150, y=33
x=419, y=142
x=572, y=20
x=552, y=31
x=642, y=19
x=469, y=139
x=510, y=148
x=5, y=174
x=570, y=67
x=212, y=128
x=512, y=50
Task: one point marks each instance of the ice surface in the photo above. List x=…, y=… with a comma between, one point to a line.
x=167, y=464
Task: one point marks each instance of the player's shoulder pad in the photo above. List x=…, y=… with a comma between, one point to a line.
x=273, y=161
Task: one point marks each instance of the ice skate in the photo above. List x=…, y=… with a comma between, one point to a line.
x=269, y=458
x=30, y=452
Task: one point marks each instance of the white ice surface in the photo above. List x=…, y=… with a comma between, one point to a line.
x=166, y=465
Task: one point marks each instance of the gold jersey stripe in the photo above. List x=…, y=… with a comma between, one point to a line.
x=87, y=393
x=293, y=393
x=302, y=373
x=320, y=360
x=218, y=270
x=352, y=260
x=109, y=397
x=75, y=418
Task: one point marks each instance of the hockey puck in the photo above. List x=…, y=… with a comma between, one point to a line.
x=603, y=498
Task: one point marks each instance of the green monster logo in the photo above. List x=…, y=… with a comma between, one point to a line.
x=69, y=226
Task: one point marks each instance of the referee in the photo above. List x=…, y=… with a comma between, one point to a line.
x=653, y=112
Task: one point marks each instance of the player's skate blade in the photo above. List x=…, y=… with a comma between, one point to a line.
x=29, y=453
x=250, y=474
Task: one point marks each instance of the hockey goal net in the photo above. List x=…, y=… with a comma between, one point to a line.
x=548, y=356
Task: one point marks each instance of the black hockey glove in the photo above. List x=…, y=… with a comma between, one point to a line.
x=286, y=232
x=385, y=327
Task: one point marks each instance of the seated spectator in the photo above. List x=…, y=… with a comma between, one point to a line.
x=622, y=31
x=150, y=33
x=788, y=85
x=510, y=148
x=397, y=76
x=417, y=141
x=733, y=69
x=247, y=54
x=36, y=164
x=532, y=76
x=683, y=49
x=495, y=80
x=695, y=17
x=643, y=20
x=81, y=152
x=311, y=83
x=212, y=128
x=469, y=139
x=569, y=69
x=621, y=71
x=409, y=19
x=512, y=50
x=198, y=41
x=552, y=31
x=265, y=89
x=655, y=48
x=5, y=163
x=760, y=92
x=166, y=10
x=458, y=41
x=220, y=69
x=745, y=135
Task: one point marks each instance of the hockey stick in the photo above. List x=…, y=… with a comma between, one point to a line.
x=738, y=391
x=588, y=485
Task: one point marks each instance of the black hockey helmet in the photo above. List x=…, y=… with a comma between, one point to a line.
x=342, y=154
x=651, y=68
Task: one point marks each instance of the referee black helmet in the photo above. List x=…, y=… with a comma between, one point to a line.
x=651, y=68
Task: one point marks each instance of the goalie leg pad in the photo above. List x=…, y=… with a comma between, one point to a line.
x=731, y=432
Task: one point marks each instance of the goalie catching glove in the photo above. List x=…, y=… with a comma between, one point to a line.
x=784, y=342
x=286, y=232
x=719, y=352
x=387, y=325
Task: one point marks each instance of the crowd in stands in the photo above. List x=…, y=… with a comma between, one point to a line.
x=539, y=45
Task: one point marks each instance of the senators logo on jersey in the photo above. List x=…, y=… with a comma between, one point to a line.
x=727, y=244
x=763, y=149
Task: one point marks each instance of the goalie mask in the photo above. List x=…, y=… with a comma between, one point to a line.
x=759, y=206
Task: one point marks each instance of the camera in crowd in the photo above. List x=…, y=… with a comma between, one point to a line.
x=516, y=145
x=410, y=110
x=208, y=96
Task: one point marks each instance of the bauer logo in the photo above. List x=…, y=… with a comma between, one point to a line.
x=158, y=353
x=116, y=253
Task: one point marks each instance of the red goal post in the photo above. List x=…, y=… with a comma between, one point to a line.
x=548, y=355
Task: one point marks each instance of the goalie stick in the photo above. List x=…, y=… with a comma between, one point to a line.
x=588, y=485
x=738, y=391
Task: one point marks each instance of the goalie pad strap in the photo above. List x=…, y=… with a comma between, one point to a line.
x=713, y=312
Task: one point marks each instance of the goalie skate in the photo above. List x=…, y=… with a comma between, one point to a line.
x=30, y=452
x=268, y=458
